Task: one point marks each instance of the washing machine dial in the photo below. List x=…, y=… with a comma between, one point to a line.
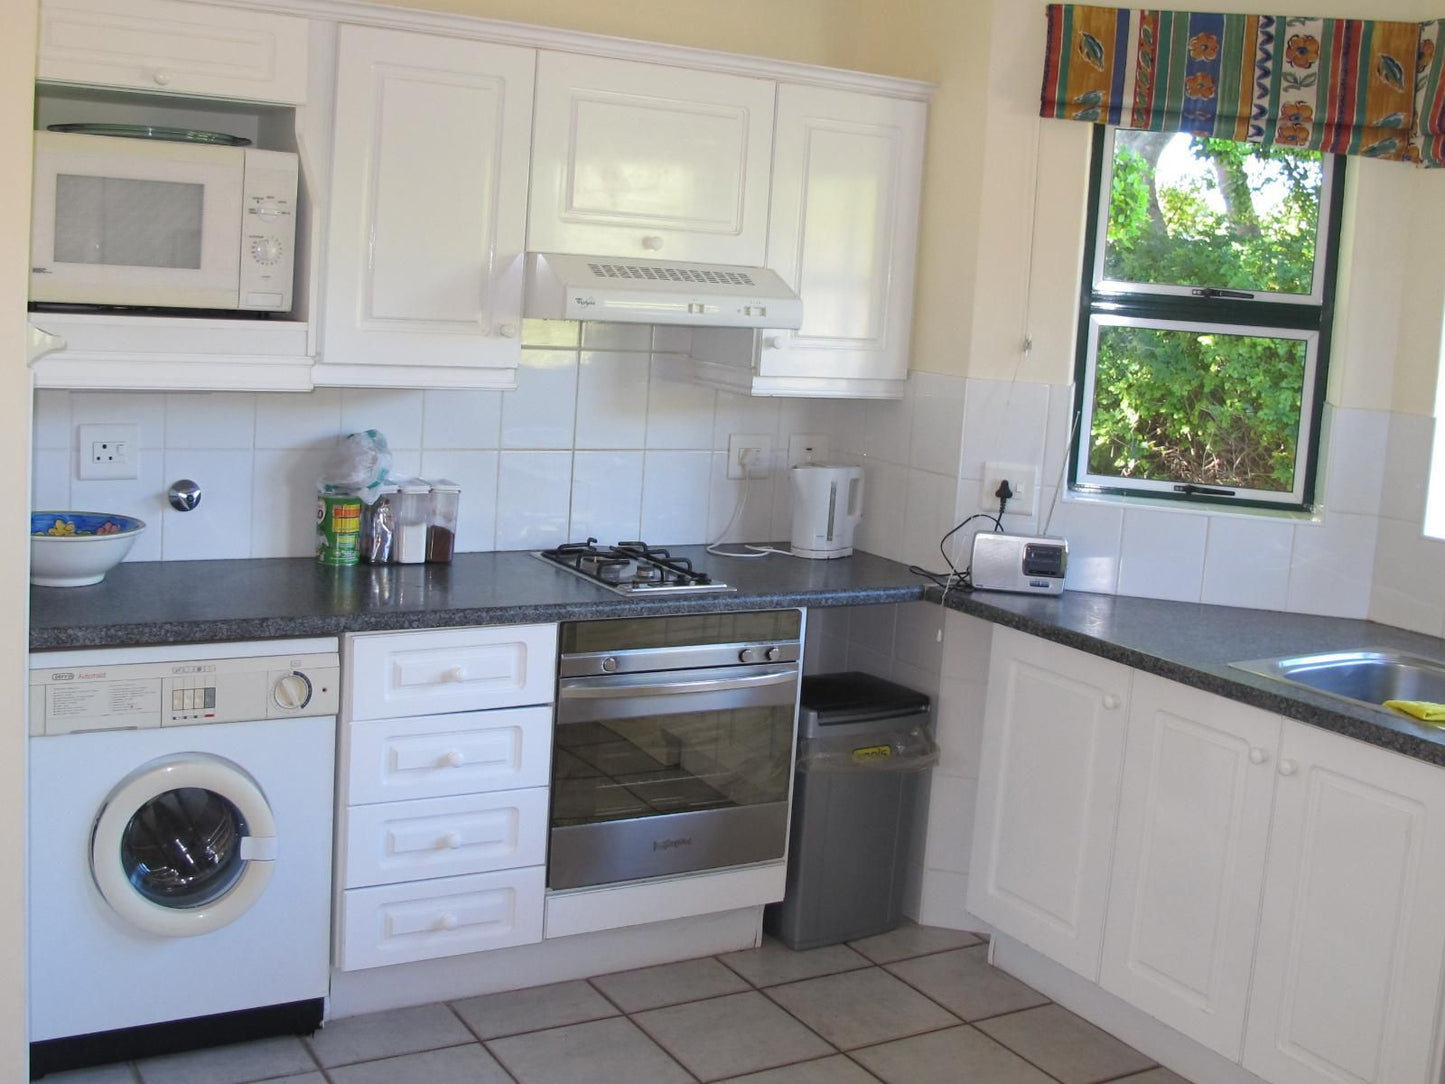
x=292, y=691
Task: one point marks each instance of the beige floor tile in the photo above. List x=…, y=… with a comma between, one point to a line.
x=964, y=983
x=238, y=1063
x=533, y=1009
x=1065, y=1046
x=774, y=962
x=669, y=984
x=1160, y=1075
x=454, y=1065
x=602, y=1050
x=834, y=1070
x=303, y=1078
x=946, y=1057
x=387, y=1034
x=730, y=1036
x=120, y=1073
x=911, y=939
x=859, y=1008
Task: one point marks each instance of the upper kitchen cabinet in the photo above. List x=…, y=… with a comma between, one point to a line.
x=170, y=47
x=424, y=257
x=643, y=160
x=847, y=177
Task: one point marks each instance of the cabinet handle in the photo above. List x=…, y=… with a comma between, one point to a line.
x=1258, y=756
x=448, y=921
x=1287, y=767
x=451, y=841
x=1111, y=701
x=507, y=331
x=652, y=243
x=453, y=759
x=456, y=673
x=162, y=77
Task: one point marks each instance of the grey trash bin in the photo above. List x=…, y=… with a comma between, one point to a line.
x=862, y=745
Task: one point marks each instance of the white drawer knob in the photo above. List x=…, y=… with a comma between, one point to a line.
x=1258, y=756
x=773, y=342
x=452, y=759
x=451, y=841
x=162, y=77
x=448, y=921
x=507, y=331
x=1111, y=701
x=652, y=243
x=456, y=673
x=1287, y=767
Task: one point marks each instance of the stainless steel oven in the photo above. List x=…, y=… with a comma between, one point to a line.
x=674, y=745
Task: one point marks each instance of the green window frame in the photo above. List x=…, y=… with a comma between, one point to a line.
x=1137, y=319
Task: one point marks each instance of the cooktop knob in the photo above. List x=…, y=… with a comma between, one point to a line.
x=609, y=665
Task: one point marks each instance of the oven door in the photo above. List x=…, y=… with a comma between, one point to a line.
x=670, y=772
x=135, y=222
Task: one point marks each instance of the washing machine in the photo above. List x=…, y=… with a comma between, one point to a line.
x=180, y=846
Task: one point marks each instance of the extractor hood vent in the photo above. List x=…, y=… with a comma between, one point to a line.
x=566, y=287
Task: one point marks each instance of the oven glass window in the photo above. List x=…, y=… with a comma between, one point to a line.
x=659, y=764
x=128, y=223
x=183, y=847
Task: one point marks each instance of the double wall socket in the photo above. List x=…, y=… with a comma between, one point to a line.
x=107, y=452
x=760, y=459
x=1022, y=478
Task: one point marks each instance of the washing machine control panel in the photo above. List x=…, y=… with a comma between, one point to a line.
x=197, y=692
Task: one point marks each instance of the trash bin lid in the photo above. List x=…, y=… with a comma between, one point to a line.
x=852, y=697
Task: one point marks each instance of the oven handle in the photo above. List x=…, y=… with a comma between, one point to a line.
x=616, y=688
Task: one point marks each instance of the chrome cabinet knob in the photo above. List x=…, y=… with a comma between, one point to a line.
x=184, y=495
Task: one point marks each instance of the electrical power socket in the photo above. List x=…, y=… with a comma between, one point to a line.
x=807, y=448
x=107, y=452
x=1022, y=478
x=760, y=461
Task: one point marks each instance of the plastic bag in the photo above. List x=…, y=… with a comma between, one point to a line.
x=359, y=466
x=910, y=750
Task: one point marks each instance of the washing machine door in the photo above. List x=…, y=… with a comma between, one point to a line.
x=183, y=845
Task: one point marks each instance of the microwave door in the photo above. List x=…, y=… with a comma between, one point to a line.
x=128, y=222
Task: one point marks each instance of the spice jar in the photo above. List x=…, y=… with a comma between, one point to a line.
x=441, y=536
x=378, y=526
x=413, y=519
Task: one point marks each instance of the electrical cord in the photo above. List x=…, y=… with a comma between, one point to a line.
x=947, y=581
x=745, y=461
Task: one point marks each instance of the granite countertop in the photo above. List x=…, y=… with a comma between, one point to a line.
x=1194, y=644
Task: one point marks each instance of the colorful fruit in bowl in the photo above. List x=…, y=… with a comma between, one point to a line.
x=75, y=549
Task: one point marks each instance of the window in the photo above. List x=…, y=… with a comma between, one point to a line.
x=1205, y=322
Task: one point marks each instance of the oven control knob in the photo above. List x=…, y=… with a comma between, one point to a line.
x=747, y=654
x=774, y=654
x=609, y=665
x=292, y=692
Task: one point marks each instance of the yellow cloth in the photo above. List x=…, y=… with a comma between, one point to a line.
x=1424, y=710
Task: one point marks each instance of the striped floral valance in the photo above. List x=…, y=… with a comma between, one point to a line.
x=1342, y=86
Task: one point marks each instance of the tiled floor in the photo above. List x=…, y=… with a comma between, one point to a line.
x=915, y=1006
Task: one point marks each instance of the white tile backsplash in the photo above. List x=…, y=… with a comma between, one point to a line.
x=144, y=409
x=397, y=414
x=283, y=522
x=606, y=495
x=1005, y=422
x=1162, y=554
x=461, y=419
x=220, y=526
x=676, y=487
x=1246, y=562
x=610, y=411
x=1354, y=469
x=210, y=420
x=541, y=412
x=1407, y=454
x=534, y=498
x=310, y=420
x=1332, y=565
x=50, y=427
x=475, y=470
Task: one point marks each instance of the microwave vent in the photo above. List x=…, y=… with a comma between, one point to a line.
x=667, y=273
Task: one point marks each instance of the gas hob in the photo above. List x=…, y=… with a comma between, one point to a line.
x=633, y=568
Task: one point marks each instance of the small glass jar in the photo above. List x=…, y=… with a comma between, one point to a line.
x=412, y=520
x=441, y=538
x=378, y=526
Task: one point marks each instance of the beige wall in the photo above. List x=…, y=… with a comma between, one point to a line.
x=17, y=78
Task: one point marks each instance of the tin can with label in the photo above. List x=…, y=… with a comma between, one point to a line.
x=338, y=528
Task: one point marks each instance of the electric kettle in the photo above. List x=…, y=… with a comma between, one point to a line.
x=827, y=505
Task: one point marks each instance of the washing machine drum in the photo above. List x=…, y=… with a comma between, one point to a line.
x=183, y=845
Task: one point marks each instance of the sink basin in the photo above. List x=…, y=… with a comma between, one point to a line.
x=1363, y=677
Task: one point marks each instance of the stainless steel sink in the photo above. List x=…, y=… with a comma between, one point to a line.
x=1363, y=677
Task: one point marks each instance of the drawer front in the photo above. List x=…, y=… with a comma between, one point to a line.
x=421, y=673
x=174, y=48
x=451, y=916
x=445, y=837
x=436, y=756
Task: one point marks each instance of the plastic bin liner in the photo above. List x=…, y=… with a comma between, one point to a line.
x=910, y=750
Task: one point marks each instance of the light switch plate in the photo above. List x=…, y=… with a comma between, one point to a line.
x=107, y=452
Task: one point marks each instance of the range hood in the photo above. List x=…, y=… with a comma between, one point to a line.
x=566, y=287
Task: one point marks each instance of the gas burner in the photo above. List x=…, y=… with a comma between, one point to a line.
x=632, y=568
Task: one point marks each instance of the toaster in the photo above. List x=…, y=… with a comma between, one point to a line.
x=1033, y=564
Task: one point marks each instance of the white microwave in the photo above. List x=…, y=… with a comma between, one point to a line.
x=118, y=221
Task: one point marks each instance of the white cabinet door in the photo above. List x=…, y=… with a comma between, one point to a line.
x=1189, y=859
x=167, y=47
x=1053, y=749
x=1348, y=967
x=847, y=174
x=428, y=200
x=647, y=161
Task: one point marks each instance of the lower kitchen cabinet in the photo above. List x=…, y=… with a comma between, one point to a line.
x=1053, y=748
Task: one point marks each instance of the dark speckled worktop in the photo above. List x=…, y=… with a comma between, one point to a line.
x=208, y=601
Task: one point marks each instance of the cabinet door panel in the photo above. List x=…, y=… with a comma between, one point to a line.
x=1048, y=791
x=847, y=172
x=647, y=161
x=428, y=197
x=1189, y=859
x=1347, y=972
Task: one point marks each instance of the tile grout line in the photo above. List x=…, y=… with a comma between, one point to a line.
x=480, y=1041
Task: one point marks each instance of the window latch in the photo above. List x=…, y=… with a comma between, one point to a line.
x=1210, y=291
x=1206, y=491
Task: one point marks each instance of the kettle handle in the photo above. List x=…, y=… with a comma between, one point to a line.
x=855, y=499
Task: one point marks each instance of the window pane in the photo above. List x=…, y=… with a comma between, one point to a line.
x=1197, y=212
x=1205, y=407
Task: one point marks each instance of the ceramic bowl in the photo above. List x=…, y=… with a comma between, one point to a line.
x=74, y=549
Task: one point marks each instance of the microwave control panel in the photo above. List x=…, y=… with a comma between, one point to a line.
x=268, y=231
